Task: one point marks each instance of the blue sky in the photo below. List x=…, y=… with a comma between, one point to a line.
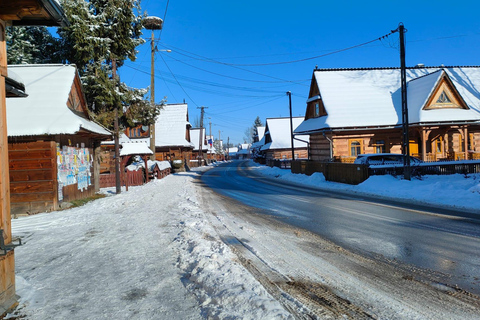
x=217, y=47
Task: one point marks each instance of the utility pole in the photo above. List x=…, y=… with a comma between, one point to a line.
x=118, y=187
x=289, y=94
x=210, y=123
x=202, y=114
x=152, y=23
x=405, y=124
x=152, y=98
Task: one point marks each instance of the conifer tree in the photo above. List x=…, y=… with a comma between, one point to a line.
x=32, y=45
x=101, y=32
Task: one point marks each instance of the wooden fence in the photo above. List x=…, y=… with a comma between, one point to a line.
x=283, y=164
x=333, y=171
x=130, y=178
x=357, y=173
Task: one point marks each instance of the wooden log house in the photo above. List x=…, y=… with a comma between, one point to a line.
x=53, y=145
x=358, y=111
x=277, y=143
x=172, y=134
x=17, y=13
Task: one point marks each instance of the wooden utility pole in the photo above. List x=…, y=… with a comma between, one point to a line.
x=405, y=124
x=200, y=145
x=117, y=138
x=152, y=23
x=152, y=97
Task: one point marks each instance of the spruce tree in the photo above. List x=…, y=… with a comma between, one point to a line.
x=32, y=45
x=101, y=32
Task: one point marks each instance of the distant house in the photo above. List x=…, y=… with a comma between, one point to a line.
x=258, y=143
x=243, y=151
x=198, y=137
x=356, y=111
x=232, y=153
x=52, y=142
x=277, y=140
x=172, y=134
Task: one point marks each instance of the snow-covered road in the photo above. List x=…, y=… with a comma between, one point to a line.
x=174, y=250
x=148, y=253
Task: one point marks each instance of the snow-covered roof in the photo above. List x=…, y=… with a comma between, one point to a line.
x=195, y=137
x=260, y=132
x=45, y=110
x=171, y=126
x=135, y=148
x=278, y=134
x=372, y=97
x=232, y=150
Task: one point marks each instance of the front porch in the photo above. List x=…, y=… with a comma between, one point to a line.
x=430, y=144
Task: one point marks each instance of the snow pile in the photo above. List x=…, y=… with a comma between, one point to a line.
x=222, y=286
x=148, y=253
x=139, y=164
x=457, y=191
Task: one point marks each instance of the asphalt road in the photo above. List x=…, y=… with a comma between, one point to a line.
x=442, y=242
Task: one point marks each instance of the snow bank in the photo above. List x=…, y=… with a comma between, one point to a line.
x=457, y=191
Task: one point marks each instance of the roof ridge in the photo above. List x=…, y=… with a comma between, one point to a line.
x=426, y=75
x=391, y=68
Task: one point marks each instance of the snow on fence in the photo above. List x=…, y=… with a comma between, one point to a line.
x=357, y=173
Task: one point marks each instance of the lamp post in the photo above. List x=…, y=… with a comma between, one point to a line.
x=152, y=23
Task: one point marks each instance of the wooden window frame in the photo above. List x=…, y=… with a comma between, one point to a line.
x=360, y=147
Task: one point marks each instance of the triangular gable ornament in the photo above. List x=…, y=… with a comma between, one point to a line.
x=445, y=96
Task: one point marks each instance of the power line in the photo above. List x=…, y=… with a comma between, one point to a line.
x=178, y=82
x=178, y=51
x=292, y=61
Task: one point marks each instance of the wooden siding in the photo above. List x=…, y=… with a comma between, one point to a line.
x=300, y=153
x=33, y=177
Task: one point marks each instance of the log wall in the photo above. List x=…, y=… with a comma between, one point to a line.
x=33, y=177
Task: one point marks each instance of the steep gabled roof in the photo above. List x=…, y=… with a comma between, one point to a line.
x=45, y=110
x=362, y=98
x=171, y=126
x=277, y=134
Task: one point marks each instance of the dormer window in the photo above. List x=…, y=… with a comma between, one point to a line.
x=443, y=98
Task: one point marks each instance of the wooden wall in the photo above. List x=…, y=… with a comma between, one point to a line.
x=33, y=177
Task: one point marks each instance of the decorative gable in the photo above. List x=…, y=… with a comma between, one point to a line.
x=315, y=107
x=445, y=96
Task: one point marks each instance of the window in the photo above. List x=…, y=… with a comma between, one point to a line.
x=380, y=146
x=355, y=148
x=443, y=98
x=471, y=142
x=317, y=109
x=438, y=145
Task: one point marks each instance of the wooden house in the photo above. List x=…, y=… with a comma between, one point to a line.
x=17, y=13
x=277, y=140
x=52, y=142
x=357, y=111
x=198, y=137
x=172, y=134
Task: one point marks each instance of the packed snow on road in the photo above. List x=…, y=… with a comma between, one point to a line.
x=153, y=253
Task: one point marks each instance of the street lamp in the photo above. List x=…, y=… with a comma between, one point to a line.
x=152, y=23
